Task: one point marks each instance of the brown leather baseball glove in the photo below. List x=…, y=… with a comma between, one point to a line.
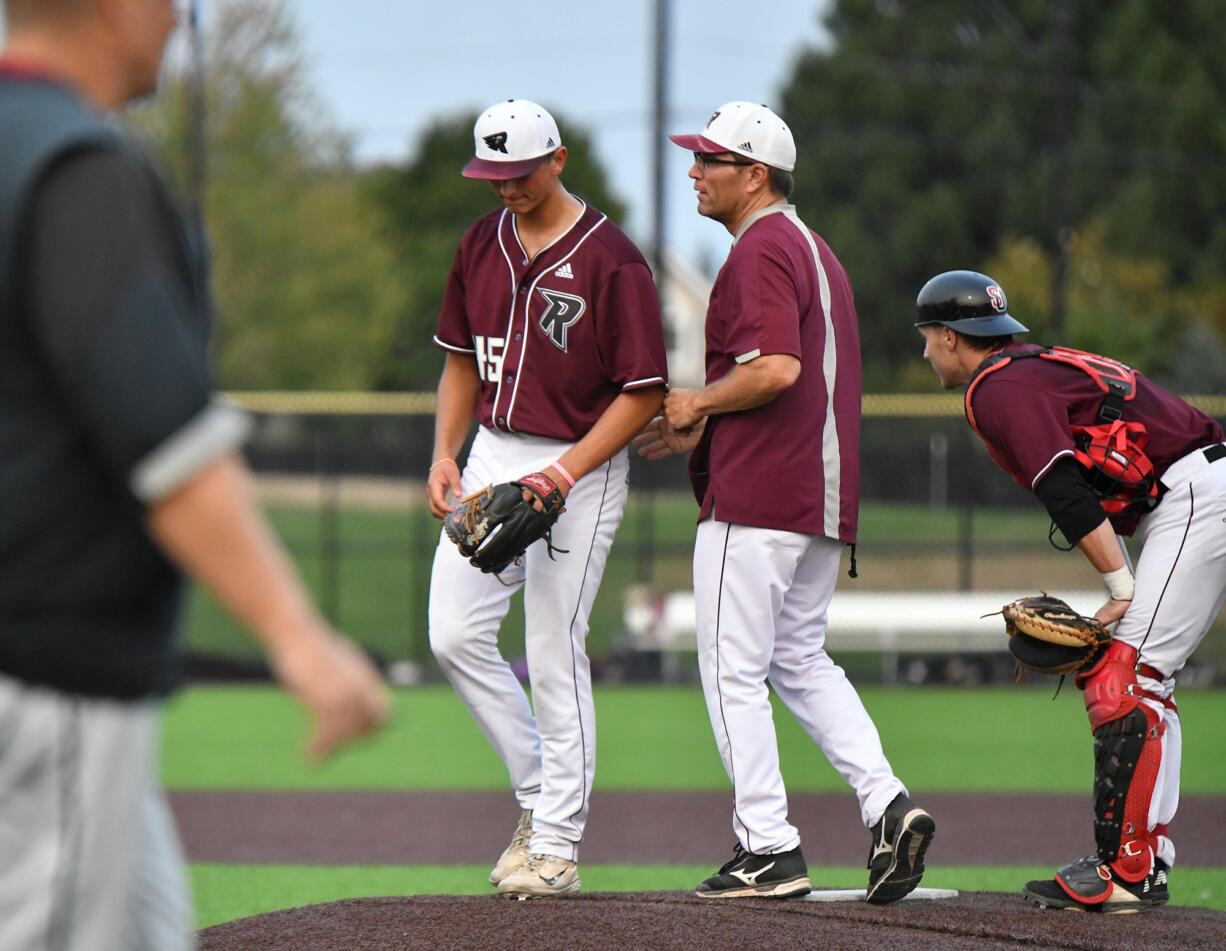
x=1048, y=636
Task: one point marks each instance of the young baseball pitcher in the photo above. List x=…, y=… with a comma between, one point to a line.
x=551, y=325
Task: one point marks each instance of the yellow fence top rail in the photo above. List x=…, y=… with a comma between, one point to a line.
x=324, y=403
x=335, y=403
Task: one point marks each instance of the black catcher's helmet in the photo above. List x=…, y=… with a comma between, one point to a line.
x=968, y=302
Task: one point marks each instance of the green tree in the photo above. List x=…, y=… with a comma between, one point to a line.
x=1106, y=291
x=932, y=135
x=306, y=290
x=426, y=206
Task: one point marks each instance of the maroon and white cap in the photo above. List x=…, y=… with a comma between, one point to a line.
x=747, y=129
x=511, y=139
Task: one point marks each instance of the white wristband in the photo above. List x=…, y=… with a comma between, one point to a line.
x=1120, y=584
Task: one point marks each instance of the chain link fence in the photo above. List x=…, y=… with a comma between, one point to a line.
x=342, y=477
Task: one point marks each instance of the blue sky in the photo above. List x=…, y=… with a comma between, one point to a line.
x=382, y=69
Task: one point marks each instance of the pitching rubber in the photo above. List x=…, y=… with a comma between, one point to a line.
x=857, y=894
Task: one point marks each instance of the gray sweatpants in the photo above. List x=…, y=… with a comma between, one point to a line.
x=89, y=856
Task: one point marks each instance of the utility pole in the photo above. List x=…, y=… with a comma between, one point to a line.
x=663, y=17
x=194, y=149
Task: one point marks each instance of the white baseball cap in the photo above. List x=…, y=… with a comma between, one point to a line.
x=511, y=139
x=748, y=129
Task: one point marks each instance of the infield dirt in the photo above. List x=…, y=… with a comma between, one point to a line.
x=675, y=828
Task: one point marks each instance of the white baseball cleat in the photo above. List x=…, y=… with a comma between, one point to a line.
x=515, y=854
x=541, y=876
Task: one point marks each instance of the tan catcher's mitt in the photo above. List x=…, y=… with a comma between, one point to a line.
x=1048, y=636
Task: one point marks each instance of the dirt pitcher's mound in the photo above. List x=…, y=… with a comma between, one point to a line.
x=680, y=921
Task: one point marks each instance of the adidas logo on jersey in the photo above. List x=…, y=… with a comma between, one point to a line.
x=565, y=271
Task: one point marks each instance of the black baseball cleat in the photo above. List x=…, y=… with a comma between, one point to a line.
x=1088, y=885
x=748, y=875
x=896, y=856
x=1159, y=893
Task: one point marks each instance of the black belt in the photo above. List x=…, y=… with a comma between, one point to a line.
x=1211, y=453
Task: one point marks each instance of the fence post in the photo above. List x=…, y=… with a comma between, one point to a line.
x=966, y=547
x=424, y=537
x=938, y=470
x=329, y=534
x=646, y=548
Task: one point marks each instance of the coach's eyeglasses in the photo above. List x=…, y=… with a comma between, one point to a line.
x=705, y=161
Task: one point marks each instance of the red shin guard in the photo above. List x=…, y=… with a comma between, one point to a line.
x=1127, y=753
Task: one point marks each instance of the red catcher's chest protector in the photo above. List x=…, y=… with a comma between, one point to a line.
x=1112, y=452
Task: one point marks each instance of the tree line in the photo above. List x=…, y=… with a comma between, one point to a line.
x=1072, y=149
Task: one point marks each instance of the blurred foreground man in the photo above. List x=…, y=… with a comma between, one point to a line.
x=118, y=470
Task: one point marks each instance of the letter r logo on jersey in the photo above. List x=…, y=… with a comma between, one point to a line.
x=563, y=310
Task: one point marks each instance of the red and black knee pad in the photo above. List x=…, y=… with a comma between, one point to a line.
x=1110, y=686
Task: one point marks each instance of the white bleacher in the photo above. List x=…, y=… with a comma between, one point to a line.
x=892, y=623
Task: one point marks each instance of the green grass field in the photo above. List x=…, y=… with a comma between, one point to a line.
x=369, y=567
x=939, y=740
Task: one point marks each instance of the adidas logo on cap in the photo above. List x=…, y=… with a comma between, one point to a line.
x=748, y=129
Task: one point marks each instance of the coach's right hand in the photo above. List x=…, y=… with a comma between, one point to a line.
x=444, y=478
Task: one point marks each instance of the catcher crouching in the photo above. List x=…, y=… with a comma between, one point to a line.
x=1110, y=455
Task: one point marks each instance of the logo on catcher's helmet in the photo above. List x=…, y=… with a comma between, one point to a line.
x=997, y=297
x=497, y=142
x=563, y=310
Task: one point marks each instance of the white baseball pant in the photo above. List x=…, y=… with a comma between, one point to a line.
x=1181, y=585
x=762, y=597
x=549, y=748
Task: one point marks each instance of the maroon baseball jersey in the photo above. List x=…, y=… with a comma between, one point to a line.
x=556, y=338
x=1024, y=411
x=794, y=463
